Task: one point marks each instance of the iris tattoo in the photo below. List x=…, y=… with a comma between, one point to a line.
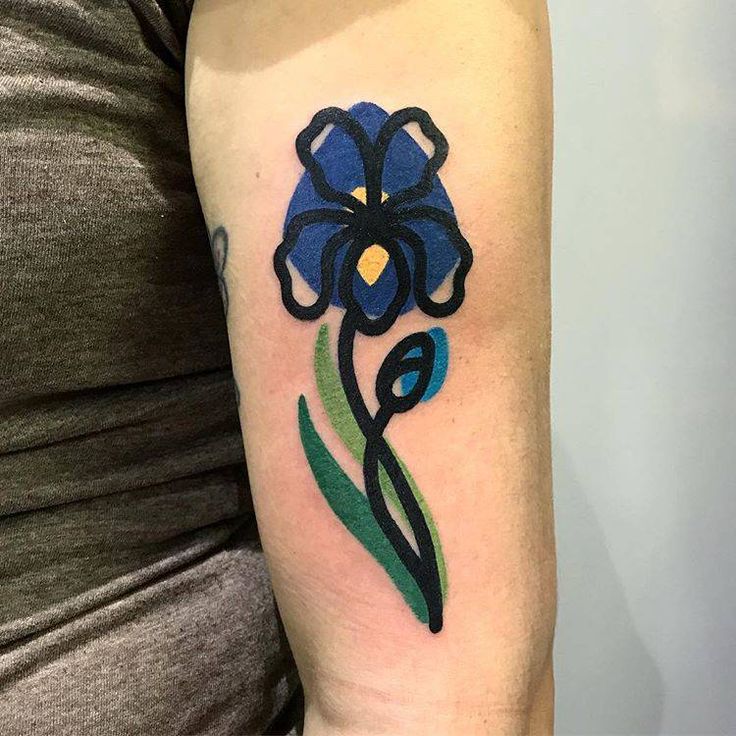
x=372, y=231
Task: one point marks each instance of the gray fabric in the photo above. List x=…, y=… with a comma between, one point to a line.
x=133, y=592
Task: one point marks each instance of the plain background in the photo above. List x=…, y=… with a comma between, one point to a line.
x=644, y=365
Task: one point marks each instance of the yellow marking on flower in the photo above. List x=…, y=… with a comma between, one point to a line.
x=371, y=263
x=361, y=195
x=372, y=260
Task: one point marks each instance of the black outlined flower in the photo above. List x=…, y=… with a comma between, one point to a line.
x=370, y=227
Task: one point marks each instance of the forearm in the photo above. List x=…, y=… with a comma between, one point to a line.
x=460, y=639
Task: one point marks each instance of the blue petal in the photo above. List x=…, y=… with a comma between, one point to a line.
x=439, y=369
x=340, y=160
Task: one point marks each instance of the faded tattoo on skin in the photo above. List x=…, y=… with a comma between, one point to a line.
x=219, y=246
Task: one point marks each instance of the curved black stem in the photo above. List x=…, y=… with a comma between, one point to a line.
x=423, y=566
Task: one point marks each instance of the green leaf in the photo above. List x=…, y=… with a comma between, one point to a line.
x=353, y=510
x=336, y=406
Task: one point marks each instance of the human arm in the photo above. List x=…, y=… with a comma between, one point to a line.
x=479, y=449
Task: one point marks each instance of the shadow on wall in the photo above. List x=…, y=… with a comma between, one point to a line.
x=615, y=686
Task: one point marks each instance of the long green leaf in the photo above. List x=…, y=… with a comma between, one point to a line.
x=336, y=407
x=353, y=510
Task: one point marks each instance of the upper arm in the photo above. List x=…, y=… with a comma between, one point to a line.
x=358, y=610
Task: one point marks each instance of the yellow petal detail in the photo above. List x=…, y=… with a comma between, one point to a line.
x=371, y=263
x=360, y=194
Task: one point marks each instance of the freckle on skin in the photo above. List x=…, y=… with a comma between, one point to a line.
x=258, y=174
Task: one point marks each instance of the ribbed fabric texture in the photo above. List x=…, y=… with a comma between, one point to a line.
x=134, y=597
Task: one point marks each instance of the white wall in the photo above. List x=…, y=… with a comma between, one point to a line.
x=644, y=365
